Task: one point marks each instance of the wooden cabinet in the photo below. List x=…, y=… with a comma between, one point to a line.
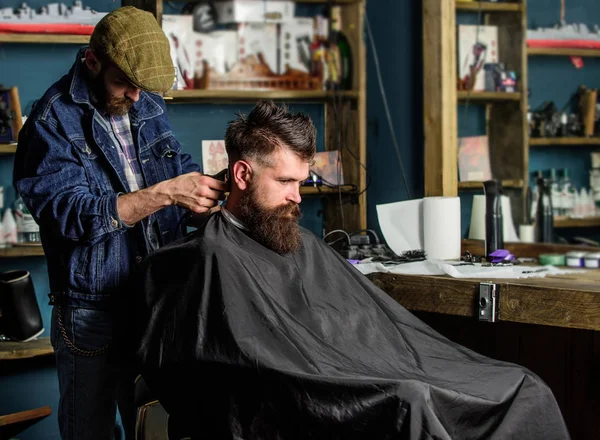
x=344, y=207
x=506, y=113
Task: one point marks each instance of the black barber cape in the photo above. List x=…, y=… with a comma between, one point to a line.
x=242, y=343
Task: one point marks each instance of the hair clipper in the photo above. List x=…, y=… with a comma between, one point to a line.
x=223, y=176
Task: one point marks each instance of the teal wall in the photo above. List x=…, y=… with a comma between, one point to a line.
x=396, y=29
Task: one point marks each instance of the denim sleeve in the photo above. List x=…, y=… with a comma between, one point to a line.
x=52, y=181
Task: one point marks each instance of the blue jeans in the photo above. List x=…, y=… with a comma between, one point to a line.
x=91, y=384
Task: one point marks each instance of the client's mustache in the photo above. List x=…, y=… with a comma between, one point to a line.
x=292, y=210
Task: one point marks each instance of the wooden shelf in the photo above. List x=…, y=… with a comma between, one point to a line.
x=314, y=191
x=44, y=38
x=509, y=183
x=335, y=2
x=10, y=350
x=575, y=141
x=21, y=251
x=487, y=96
x=489, y=7
x=191, y=96
x=15, y=423
x=563, y=51
x=339, y=2
x=8, y=148
x=565, y=222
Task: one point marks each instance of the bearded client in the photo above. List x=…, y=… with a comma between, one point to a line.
x=253, y=328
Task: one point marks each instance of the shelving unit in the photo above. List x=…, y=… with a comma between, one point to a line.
x=507, y=183
x=13, y=424
x=44, y=38
x=476, y=6
x=193, y=96
x=21, y=251
x=353, y=213
x=506, y=112
x=565, y=222
x=11, y=350
x=563, y=51
x=571, y=141
x=8, y=148
x=326, y=190
x=488, y=96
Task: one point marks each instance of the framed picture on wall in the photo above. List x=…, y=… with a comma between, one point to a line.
x=474, y=159
x=477, y=46
x=10, y=115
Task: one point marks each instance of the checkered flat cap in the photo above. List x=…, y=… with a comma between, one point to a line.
x=133, y=40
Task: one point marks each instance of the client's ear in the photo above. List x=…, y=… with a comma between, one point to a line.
x=242, y=173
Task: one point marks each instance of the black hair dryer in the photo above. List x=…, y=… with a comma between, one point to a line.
x=494, y=238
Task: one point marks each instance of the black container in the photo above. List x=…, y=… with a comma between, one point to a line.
x=20, y=318
x=544, y=220
x=494, y=238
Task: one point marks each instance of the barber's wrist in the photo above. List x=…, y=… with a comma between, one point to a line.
x=162, y=195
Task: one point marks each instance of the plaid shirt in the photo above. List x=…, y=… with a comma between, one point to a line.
x=121, y=129
x=127, y=154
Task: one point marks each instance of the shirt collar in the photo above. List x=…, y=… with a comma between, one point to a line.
x=234, y=220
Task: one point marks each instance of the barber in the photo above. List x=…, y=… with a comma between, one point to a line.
x=100, y=170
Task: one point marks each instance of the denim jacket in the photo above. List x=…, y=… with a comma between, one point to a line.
x=68, y=173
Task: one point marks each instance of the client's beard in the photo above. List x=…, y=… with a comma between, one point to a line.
x=112, y=105
x=276, y=228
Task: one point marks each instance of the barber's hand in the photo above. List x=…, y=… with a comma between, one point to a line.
x=196, y=192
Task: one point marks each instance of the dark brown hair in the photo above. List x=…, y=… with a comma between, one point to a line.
x=266, y=128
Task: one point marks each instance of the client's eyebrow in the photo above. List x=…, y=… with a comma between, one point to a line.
x=284, y=177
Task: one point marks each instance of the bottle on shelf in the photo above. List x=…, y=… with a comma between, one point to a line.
x=585, y=206
x=3, y=242
x=340, y=47
x=534, y=192
x=28, y=230
x=319, y=51
x=9, y=227
x=595, y=188
x=555, y=193
x=567, y=194
x=544, y=220
x=564, y=120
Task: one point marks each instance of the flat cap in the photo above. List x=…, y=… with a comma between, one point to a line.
x=133, y=40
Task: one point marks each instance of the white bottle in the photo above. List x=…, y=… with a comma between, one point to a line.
x=28, y=230
x=576, y=212
x=583, y=203
x=567, y=194
x=9, y=226
x=555, y=194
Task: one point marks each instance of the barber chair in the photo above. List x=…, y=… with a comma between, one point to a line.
x=152, y=419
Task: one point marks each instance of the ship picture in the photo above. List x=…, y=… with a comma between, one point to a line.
x=52, y=18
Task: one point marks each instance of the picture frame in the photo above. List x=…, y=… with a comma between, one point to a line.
x=11, y=120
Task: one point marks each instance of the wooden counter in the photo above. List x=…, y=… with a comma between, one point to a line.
x=571, y=300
